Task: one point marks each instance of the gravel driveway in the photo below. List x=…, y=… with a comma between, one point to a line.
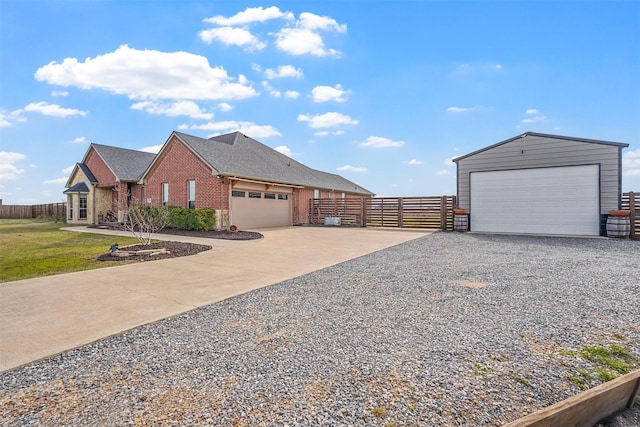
x=447, y=330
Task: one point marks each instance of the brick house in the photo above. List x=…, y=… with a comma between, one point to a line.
x=249, y=184
x=104, y=183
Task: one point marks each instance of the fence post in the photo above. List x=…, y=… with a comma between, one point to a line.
x=443, y=213
x=400, y=212
x=632, y=214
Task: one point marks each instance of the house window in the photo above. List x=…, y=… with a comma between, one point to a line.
x=82, y=207
x=191, y=194
x=316, y=194
x=255, y=195
x=237, y=193
x=283, y=197
x=165, y=194
x=71, y=207
x=271, y=196
x=344, y=195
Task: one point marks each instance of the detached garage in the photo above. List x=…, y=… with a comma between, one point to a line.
x=541, y=184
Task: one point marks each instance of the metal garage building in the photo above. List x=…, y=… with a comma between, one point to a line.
x=541, y=184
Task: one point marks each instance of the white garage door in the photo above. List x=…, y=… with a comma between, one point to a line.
x=260, y=209
x=558, y=200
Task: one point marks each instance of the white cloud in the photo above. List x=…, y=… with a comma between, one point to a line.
x=68, y=169
x=327, y=133
x=179, y=108
x=59, y=93
x=350, y=168
x=248, y=128
x=148, y=74
x=233, y=37
x=534, y=119
x=284, y=150
x=458, y=109
x=4, y=122
x=449, y=161
x=328, y=93
x=272, y=91
x=56, y=181
x=443, y=172
x=300, y=41
x=284, y=71
x=316, y=22
x=380, y=142
x=305, y=38
x=154, y=149
x=631, y=162
x=291, y=94
x=53, y=110
x=250, y=15
x=9, y=119
x=8, y=170
x=79, y=140
x=327, y=120
x=415, y=162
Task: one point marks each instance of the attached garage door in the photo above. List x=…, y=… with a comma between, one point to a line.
x=260, y=209
x=558, y=200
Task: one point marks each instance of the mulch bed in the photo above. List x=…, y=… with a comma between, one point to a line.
x=179, y=249
x=223, y=234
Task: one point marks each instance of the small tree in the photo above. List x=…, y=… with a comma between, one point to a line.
x=143, y=221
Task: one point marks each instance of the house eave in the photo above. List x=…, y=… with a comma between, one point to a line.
x=541, y=135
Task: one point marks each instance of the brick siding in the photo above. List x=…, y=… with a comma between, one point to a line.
x=176, y=165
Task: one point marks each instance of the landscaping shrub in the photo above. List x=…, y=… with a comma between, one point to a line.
x=191, y=219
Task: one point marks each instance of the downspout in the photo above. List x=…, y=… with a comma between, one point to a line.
x=229, y=184
x=93, y=205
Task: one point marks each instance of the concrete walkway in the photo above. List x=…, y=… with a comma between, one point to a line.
x=45, y=316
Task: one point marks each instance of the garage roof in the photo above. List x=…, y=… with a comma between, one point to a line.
x=237, y=155
x=542, y=135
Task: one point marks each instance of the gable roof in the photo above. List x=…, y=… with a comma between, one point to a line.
x=80, y=187
x=239, y=156
x=126, y=164
x=87, y=173
x=542, y=135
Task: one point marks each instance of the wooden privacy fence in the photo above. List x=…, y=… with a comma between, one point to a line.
x=631, y=201
x=404, y=212
x=57, y=210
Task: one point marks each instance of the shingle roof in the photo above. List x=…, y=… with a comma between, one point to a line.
x=80, y=187
x=541, y=135
x=127, y=165
x=238, y=155
x=87, y=172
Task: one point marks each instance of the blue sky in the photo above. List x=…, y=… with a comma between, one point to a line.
x=384, y=93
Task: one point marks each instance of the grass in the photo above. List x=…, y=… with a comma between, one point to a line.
x=482, y=371
x=36, y=248
x=609, y=363
x=521, y=380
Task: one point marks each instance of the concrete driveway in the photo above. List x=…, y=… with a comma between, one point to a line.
x=45, y=316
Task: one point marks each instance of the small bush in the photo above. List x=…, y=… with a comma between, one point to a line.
x=202, y=219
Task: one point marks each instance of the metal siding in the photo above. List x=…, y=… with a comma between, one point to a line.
x=556, y=200
x=542, y=152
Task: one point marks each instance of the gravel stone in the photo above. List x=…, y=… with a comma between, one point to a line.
x=450, y=329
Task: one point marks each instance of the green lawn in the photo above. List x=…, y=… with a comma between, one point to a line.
x=34, y=248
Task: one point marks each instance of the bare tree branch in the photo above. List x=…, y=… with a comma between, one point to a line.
x=143, y=221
